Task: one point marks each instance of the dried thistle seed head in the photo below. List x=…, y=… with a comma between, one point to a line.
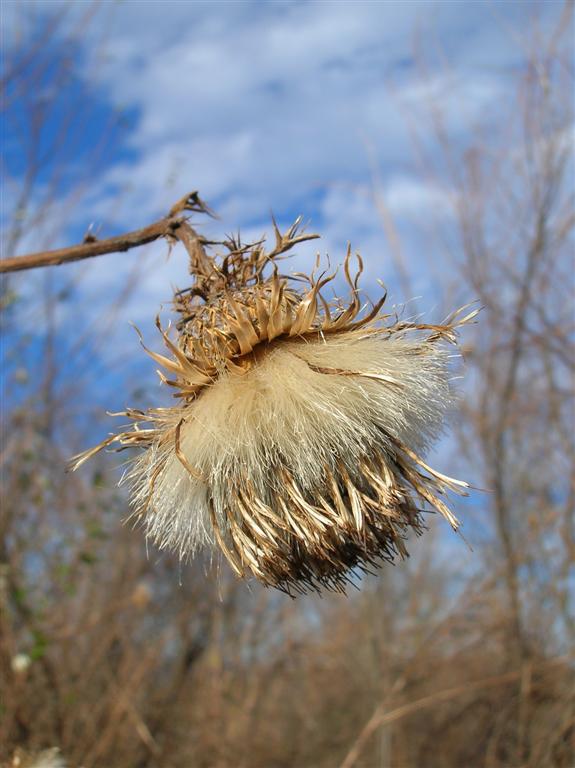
x=295, y=444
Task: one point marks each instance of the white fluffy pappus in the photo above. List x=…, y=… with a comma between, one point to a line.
x=289, y=410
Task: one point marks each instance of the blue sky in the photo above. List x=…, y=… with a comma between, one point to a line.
x=295, y=107
x=323, y=109
x=292, y=107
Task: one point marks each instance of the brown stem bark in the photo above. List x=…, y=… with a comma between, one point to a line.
x=169, y=226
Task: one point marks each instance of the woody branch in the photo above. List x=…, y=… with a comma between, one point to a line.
x=174, y=226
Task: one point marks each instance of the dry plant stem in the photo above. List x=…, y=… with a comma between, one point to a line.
x=380, y=717
x=169, y=226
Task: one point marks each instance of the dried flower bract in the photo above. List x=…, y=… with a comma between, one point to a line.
x=295, y=445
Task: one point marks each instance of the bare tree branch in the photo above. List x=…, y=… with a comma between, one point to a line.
x=168, y=226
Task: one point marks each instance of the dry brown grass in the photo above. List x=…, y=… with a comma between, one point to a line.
x=128, y=660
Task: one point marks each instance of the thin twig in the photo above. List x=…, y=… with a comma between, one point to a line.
x=168, y=226
x=381, y=717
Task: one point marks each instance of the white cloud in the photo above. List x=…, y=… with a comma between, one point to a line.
x=267, y=105
x=259, y=104
x=413, y=197
x=270, y=106
x=459, y=97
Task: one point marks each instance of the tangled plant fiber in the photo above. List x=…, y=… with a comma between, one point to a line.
x=295, y=445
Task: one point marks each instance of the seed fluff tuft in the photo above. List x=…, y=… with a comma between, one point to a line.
x=296, y=443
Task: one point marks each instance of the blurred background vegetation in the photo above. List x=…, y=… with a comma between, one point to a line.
x=123, y=657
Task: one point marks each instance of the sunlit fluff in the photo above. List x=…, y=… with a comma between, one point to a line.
x=295, y=445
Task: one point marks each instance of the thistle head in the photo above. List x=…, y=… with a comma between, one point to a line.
x=295, y=443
